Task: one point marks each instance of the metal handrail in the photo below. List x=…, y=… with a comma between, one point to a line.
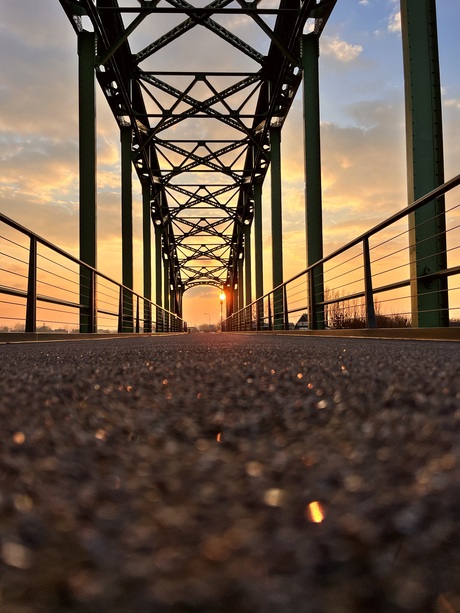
x=169, y=320
x=362, y=239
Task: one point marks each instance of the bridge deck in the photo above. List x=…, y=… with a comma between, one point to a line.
x=177, y=474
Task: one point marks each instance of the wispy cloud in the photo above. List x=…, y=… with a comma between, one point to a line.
x=394, y=22
x=340, y=49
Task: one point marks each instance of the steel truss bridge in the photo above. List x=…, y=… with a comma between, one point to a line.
x=200, y=111
x=200, y=93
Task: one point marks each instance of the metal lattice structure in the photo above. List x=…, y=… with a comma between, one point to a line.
x=200, y=102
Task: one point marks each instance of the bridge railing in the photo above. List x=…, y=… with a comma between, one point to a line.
x=369, y=282
x=45, y=289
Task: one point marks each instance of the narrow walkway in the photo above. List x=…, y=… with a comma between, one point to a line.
x=230, y=474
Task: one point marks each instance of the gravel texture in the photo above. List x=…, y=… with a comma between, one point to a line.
x=230, y=474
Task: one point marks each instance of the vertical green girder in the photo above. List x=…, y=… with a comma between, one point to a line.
x=247, y=266
x=258, y=240
x=158, y=279
x=258, y=251
x=313, y=199
x=425, y=165
x=87, y=163
x=147, y=255
x=166, y=293
x=235, y=285
x=127, y=227
x=277, y=224
x=158, y=267
x=240, y=284
x=166, y=284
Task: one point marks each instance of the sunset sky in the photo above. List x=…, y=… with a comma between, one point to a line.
x=362, y=114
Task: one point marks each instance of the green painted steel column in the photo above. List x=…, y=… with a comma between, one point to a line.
x=247, y=265
x=87, y=156
x=127, y=227
x=147, y=255
x=313, y=199
x=172, y=301
x=277, y=223
x=425, y=163
x=258, y=249
x=235, y=285
x=158, y=279
x=166, y=305
x=258, y=241
x=240, y=284
x=229, y=306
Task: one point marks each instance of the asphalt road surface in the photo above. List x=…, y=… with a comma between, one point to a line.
x=232, y=473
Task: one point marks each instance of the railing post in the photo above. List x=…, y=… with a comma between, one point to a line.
x=147, y=316
x=120, y=310
x=285, y=308
x=138, y=328
x=92, y=322
x=270, y=322
x=371, y=321
x=312, y=319
x=31, y=307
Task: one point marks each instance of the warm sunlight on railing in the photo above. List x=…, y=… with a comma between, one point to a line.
x=43, y=289
x=365, y=284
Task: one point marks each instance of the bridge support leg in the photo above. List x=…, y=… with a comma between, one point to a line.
x=166, y=284
x=158, y=280
x=127, y=228
x=147, y=255
x=425, y=164
x=258, y=249
x=235, y=285
x=313, y=200
x=87, y=146
x=277, y=224
x=247, y=266
x=240, y=284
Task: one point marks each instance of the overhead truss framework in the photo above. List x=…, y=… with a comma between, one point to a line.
x=200, y=85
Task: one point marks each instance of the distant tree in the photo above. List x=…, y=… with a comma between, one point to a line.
x=44, y=328
x=350, y=313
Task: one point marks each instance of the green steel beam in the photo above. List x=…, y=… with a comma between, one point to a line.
x=240, y=284
x=127, y=227
x=277, y=223
x=425, y=164
x=235, y=304
x=172, y=301
x=247, y=265
x=166, y=284
x=87, y=153
x=258, y=241
x=158, y=279
x=158, y=267
x=147, y=254
x=166, y=294
x=313, y=199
